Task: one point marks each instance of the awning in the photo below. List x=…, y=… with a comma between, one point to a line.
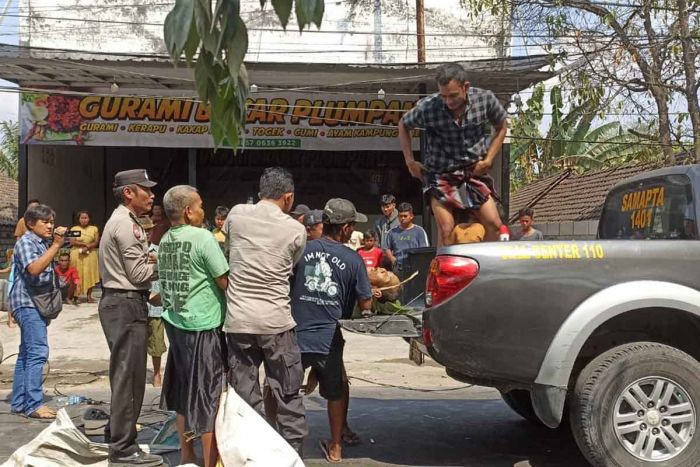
x=66, y=69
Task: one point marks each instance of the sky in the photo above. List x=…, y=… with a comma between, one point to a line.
x=8, y=35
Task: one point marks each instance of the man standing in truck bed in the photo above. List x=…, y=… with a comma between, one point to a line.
x=460, y=149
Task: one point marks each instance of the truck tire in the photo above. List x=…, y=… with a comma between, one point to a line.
x=519, y=401
x=637, y=405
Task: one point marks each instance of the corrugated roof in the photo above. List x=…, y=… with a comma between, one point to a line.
x=566, y=196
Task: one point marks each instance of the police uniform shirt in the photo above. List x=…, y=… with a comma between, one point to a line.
x=123, y=256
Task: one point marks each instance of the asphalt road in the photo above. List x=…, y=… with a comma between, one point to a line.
x=443, y=423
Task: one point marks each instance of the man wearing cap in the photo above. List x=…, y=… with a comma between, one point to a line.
x=328, y=281
x=313, y=221
x=264, y=245
x=127, y=270
x=388, y=220
x=299, y=212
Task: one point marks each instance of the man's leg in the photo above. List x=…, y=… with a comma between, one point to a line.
x=124, y=324
x=71, y=292
x=490, y=219
x=285, y=376
x=187, y=455
x=244, y=359
x=211, y=451
x=336, y=417
x=444, y=219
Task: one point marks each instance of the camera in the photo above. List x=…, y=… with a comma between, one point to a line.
x=71, y=234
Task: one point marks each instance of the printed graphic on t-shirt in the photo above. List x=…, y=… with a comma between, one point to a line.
x=319, y=278
x=174, y=270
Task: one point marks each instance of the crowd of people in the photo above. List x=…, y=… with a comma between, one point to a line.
x=266, y=286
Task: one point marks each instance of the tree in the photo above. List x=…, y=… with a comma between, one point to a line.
x=9, y=148
x=216, y=41
x=571, y=141
x=647, y=49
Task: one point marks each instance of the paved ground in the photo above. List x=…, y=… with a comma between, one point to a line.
x=437, y=425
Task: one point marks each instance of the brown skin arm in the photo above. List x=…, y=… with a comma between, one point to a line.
x=483, y=166
x=414, y=167
x=364, y=304
x=38, y=266
x=222, y=281
x=390, y=254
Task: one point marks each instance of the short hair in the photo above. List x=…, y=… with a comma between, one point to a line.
x=331, y=230
x=77, y=214
x=221, y=211
x=388, y=199
x=371, y=234
x=529, y=212
x=63, y=253
x=119, y=192
x=449, y=72
x=33, y=201
x=39, y=212
x=405, y=207
x=275, y=182
x=176, y=200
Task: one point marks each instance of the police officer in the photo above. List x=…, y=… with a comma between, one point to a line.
x=126, y=270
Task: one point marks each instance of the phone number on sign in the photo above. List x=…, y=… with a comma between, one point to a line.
x=273, y=143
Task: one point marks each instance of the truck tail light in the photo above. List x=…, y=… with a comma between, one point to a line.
x=448, y=275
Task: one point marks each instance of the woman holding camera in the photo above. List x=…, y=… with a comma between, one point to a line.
x=83, y=255
x=33, y=272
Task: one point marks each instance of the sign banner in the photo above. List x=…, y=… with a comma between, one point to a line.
x=285, y=120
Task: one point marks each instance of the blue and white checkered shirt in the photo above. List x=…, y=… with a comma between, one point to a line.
x=451, y=146
x=28, y=249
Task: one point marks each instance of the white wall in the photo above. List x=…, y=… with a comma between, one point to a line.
x=69, y=179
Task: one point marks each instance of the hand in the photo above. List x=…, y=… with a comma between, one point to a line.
x=152, y=258
x=482, y=168
x=58, y=235
x=416, y=169
x=376, y=293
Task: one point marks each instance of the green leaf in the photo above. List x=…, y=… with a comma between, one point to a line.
x=305, y=11
x=283, y=9
x=317, y=17
x=192, y=44
x=203, y=76
x=237, y=48
x=177, y=27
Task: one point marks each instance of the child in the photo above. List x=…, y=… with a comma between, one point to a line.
x=220, y=215
x=68, y=278
x=371, y=255
x=156, y=331
x=468, y=230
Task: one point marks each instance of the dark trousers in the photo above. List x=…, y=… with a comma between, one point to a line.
x=282, y=359
x=124, y=322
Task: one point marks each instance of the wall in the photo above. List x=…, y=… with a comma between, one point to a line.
x=384, y=35
x=580, y=230
x=69, y=179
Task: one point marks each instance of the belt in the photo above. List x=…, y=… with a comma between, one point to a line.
x=126, y=293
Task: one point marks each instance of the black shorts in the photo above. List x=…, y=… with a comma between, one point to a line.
x=194, y=376
x=329, y=368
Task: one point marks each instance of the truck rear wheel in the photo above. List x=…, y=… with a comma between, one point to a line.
x=637, y=404
x=519, y=401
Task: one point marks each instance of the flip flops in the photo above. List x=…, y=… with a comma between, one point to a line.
x=323, y=444
x=43, y=413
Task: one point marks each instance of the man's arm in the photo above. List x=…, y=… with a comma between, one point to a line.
x=136, y=260
x=222, y=281
x=414, y=167
x=483, y=166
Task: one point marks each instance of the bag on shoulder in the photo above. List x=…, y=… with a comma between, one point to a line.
x=47, y=298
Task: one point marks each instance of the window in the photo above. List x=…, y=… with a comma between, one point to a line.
x=657, y=208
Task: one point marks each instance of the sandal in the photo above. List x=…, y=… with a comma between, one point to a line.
x=324, y=445
x=43, y=413
x=351, y=438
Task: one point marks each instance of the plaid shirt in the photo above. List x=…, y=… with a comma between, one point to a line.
x=27, y=250
x=451, y=146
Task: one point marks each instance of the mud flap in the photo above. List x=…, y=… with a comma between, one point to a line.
x=406, y=325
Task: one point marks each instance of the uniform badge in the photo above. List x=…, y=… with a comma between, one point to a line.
x=137, y=231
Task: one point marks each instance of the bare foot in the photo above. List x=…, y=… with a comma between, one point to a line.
x=157, y=381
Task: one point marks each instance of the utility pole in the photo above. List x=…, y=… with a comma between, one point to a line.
x=378, y=55
x=420, y=30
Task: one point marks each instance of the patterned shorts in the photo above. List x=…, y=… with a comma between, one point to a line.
x=459, y=189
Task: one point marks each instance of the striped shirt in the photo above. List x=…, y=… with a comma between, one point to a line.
x=29, y=248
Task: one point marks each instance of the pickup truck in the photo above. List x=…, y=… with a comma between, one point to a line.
x=601, y=334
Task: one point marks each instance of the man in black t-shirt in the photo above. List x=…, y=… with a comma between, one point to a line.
x=329, y=280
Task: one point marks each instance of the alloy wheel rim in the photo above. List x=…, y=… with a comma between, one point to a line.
x=654, y=419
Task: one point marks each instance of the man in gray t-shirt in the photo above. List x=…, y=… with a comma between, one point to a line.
x=528, y=232
x=407, y=235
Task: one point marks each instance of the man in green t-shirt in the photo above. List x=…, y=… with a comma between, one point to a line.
x=193, y=275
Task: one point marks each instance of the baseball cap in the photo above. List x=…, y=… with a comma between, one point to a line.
x=313, y=217
x=341, y=211
x=133, y=177
x=388, y=199
x=301, y=209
